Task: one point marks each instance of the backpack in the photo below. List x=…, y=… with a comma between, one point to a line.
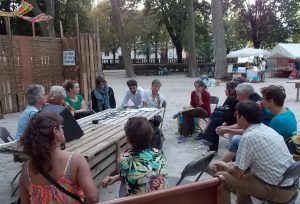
x=293, y=144
x=180, y=122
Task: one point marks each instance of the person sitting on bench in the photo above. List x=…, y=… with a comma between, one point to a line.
x=143, y=169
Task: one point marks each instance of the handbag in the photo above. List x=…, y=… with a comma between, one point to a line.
x=62, y=189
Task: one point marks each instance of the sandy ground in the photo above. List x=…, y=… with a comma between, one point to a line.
x=176, y=90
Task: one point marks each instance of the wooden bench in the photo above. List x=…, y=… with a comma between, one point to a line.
x=102, y=143
x=204, y=191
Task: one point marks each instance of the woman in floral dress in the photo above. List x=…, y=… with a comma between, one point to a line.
x=143, y=168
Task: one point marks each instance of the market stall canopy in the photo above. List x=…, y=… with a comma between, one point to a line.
x=285, y=50
x=248, y=52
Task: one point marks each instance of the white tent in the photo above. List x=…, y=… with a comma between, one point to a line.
x=248, y=52
x=285, y=50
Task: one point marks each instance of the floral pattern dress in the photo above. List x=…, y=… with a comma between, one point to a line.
x=144, y=171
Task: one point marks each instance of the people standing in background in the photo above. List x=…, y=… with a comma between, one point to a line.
x=102, y=96
x=262, y=72
x=135, y=94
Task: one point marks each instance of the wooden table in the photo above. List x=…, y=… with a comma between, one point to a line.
x=101, y=143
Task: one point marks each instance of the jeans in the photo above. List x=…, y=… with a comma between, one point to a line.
x=234, y=144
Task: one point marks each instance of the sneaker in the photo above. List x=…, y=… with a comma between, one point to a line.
x=182, y=139
x=176, y=115
x=205, y=142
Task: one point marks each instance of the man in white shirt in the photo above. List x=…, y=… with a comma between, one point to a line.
x=135, y=94
x=261, y=160
x=152, y=99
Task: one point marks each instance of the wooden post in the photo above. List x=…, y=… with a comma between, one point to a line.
x=33, y=29
x=297, y=86
x=7, y=22
x=61, y=30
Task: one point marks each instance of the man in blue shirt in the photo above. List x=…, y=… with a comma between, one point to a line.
x=284, y=121
x=35, y=96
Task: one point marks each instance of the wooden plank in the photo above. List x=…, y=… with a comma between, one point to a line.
x=86, y=135
x=91, y=117
x=92, y=65
x=83, y=67
x=87, y=71
x=101, y=155
x=106, y=172
x=99, y=68
x=93, y=137
x=91, y=152
x=104, y=164
x=91, y=145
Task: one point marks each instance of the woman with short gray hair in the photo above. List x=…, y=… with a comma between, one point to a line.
x=56, y=97
x=35, y=96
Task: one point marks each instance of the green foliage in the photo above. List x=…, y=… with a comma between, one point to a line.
x=262, y=21
x=63, y=10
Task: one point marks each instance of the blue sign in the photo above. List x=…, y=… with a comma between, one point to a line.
x=69, y=58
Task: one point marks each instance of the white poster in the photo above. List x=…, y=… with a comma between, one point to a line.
x=69, y=58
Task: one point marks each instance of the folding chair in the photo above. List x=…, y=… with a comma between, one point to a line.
x=196, y=167
x=292, y=172
x=5, y=137
x=214, y=100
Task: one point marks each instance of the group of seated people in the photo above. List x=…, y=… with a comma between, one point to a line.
x=257, y=127
x=42, y=135
x=252, y=165
x=142, y=168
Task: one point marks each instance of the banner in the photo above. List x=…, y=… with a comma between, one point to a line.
x=23, y=9
x=38, y=18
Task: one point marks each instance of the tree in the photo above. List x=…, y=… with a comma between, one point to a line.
x=191, y=29
x=116, y=19
x=219, y=38
x=174, y=16
x=203, y=26
x=108, y=37
x=262, y=21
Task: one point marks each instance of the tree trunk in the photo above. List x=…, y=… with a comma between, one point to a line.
x=51, y=11
x=179, y=48
x=219, y=39
x=191, y=38
x=116, y=19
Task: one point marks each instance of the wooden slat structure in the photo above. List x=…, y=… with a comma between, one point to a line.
x=204, y=191
x=26, y=60
x=102, y=143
